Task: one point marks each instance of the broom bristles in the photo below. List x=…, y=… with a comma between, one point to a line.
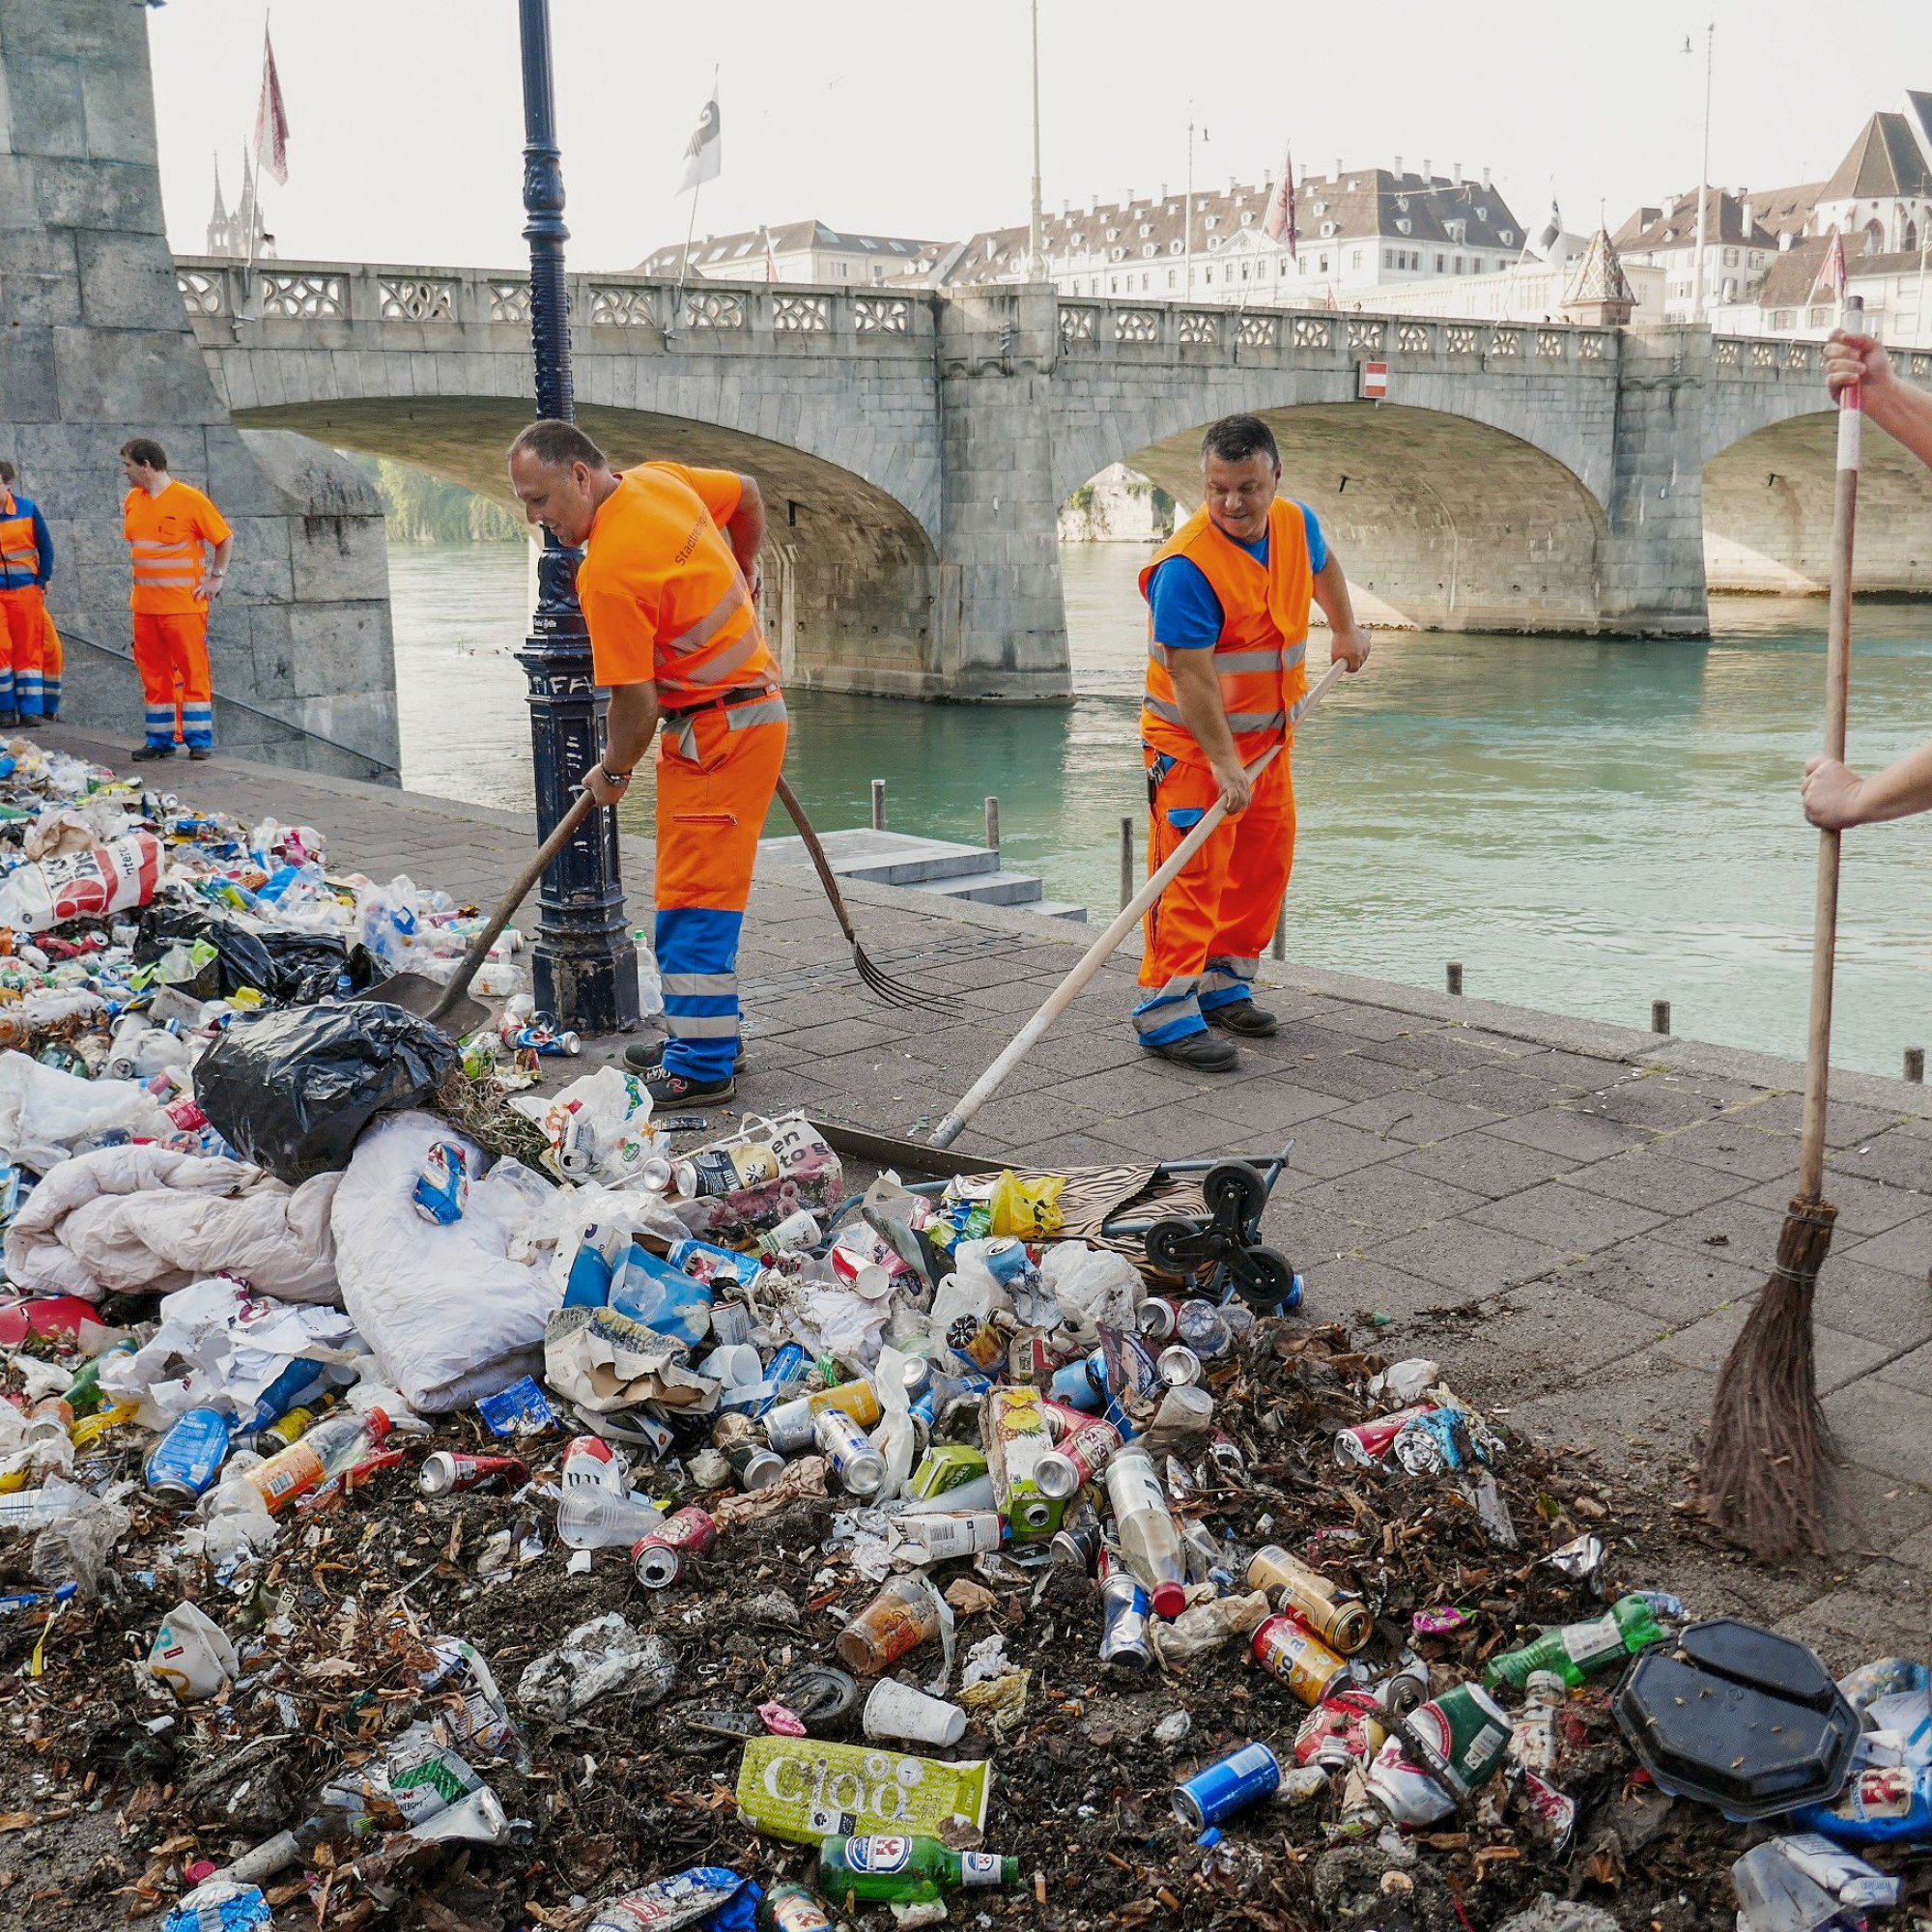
x=1769, y=1446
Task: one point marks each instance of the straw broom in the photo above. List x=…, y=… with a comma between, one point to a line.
x=1769, y=1445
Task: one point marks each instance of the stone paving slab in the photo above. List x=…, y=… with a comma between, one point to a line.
x=1573, y=1217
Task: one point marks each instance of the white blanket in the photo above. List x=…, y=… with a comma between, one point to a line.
x=135, y=1219
x=449, y=1316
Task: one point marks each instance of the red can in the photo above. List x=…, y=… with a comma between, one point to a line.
x=659, y=1557
x=1343, y=1732
x=1077, y=1457
x=445, y=1471
x=1368, y=1442
x=186, y=1116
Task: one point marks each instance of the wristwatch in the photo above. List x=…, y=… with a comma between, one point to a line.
x=612, y=778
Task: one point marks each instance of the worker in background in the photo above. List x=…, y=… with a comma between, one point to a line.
x=26, y=563
x=668, y=586
x=182, y=545
x=53, y=664
x=1835, y=797
x=1228, y=598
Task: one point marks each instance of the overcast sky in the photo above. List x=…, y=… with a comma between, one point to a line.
x=406, y=115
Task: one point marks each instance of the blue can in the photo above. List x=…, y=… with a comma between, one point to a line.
x=1241, y=1778
x=442, y=1187
x=1008, y=1261
x=185, y=1461
x=1076, y=1386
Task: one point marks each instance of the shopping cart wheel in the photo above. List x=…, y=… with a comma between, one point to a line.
x=1265, y=1281
x=1235, y=1195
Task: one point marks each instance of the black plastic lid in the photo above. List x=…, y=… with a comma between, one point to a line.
x=1739, y=1717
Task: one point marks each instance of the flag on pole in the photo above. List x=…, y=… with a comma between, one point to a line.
x=1278, y=223
x=271, y=121
x=1832, y=273
x=701, y=153
x=771, y=259
x=1552, y=231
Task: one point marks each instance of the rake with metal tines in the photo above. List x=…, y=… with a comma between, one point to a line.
x=894, y=992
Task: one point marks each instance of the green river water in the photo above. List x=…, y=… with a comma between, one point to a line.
x=1587, y=826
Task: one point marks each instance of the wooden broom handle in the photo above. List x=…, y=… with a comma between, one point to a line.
x=1838, y=697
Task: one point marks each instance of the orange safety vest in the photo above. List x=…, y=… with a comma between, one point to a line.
x=655, y=538
x=19, y=554
x=1261, y=651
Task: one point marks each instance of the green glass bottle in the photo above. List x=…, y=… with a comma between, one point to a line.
x=1578, y=1652
x=905, y=1870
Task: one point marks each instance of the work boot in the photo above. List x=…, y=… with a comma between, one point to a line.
x=676, y=1090
x=143, y=754
x=200, y=754
x=646, y=1056
x=1243, y=1017
x=28, y=720
x=1199, y=1050
x=8, y=720
x=51, y=715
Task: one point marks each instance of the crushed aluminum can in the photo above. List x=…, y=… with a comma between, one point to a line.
x=1179, y=1366
x=1365, y=1443
x=1343, y=1731
x=1441, y=1439
x=1549, y=1815
x=658, y=1559
x=1125, y=1641
x=442, y=1188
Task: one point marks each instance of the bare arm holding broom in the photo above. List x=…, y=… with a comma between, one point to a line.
x=1835, y=797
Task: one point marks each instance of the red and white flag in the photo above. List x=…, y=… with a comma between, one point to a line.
x=1831, y=271
x=271, y=121
x=1278, y=223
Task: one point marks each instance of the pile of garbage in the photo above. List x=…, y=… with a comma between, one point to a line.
x=667, y=1529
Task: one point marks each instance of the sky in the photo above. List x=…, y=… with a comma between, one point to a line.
x=406, y=115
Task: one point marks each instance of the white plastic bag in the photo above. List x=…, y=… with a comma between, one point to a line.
x=1094, y=1287
x=44, y=1112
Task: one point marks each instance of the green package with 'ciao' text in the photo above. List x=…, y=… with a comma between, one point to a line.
x=804, y=1790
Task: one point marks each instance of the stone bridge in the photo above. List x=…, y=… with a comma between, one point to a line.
x=916, y=447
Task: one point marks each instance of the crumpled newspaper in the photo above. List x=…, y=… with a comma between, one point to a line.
x=602, y=1360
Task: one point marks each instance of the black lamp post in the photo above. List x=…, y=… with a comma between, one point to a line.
x=584, y=967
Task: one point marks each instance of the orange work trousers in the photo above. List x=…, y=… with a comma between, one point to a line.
x=23, y=611
x=716, y=772
x=171, y=654
x=53, y=665
x=1205, y=932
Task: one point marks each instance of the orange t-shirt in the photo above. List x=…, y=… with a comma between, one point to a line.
x=167, y=533
x=659, y=585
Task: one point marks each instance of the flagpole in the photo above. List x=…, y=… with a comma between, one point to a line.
x=1036, y=254
x=1704, y=175
x=1188, y=233
x=691, y=229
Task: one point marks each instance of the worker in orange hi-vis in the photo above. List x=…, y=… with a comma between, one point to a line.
x=171, y=528
x=26, y=563
x=1228, y=598
x=669, y=587
x=53, y=665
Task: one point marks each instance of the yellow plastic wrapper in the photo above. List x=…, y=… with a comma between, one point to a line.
x=1028, y=1208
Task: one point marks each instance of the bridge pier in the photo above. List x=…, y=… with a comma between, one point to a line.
x=97, y=350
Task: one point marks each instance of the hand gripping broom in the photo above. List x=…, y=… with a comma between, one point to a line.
x=1769, y=1445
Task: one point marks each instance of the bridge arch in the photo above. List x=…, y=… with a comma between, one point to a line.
x=1443, y=522
x=849, y=569
x=1768, y=507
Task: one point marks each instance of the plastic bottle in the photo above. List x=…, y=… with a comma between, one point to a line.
x=331, y=1448
x=594, y=1518
x=36, y=1509
x=1577, y=1652
x=905, y=1870
x=83, y=1395
x=650, y=984
x=1533, y=1736
x=1149, y=1540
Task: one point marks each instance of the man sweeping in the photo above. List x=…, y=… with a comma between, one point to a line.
x=668, y=586
x=1227, y=598
x=1835, y=797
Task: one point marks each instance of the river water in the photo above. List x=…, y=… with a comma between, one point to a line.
x=1587, y=826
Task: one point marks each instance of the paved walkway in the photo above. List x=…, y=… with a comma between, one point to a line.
x=1573, y=1218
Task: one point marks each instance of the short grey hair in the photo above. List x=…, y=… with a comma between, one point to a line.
x=557, y=445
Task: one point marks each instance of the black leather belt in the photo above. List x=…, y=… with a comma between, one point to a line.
x=742, y=694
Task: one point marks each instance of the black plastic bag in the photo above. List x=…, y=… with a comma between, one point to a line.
x=291, y=968
x=292, y=1090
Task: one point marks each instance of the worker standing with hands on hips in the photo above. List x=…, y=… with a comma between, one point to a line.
x=1835, y=797
x=26, y=563
x=668, y=586
x=171, y=528
x=1228, y=600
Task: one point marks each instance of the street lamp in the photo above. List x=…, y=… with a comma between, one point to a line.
x=583, y=968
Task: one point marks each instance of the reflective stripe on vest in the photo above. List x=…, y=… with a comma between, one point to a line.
x=19, y=554
x=166, y=566
x=1259, y=660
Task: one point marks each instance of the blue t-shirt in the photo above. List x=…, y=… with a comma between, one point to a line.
x=1186, y=613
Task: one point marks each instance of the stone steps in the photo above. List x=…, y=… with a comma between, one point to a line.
x=935, y=866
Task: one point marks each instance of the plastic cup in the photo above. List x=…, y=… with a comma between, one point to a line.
x=735, y=1364
x=902, y=1616
x=897, y=1710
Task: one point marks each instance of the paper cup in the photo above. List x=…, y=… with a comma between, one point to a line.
x=191, y=1656
x=735, y=1364
x=896, y=1710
